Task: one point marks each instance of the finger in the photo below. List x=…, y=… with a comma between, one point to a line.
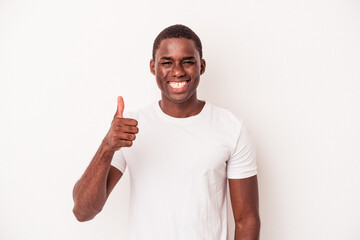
x=130, y=129
x=120, y=107
x=126, y=121
x=126, y=143
x=127, y=136
x=127, y=129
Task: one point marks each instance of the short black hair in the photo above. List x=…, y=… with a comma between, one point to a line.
x=177, y=31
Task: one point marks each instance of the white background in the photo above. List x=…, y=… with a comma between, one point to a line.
x=290, y=69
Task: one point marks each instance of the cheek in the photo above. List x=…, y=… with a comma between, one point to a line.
x=161, y=74
x=194, y=70
x=195, y=73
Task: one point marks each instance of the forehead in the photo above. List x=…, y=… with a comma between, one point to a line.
x=177, y=48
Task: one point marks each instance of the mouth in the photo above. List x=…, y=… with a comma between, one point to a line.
x=178, y=86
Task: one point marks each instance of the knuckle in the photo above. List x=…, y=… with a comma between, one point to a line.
x=126, y=143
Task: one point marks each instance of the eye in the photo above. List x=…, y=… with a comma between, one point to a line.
x=189, y=62
x=165, y=63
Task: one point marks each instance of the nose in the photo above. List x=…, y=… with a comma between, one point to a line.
x=178, y=71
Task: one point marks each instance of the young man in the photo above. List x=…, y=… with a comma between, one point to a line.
x=184, y=153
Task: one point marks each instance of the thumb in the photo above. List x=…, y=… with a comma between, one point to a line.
x=120, y=107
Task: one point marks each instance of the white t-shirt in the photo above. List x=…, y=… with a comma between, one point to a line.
x=178, y=171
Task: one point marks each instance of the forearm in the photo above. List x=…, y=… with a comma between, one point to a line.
x=90, y=192
x=248, y=228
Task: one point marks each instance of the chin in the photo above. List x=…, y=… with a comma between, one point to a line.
x=178, y=100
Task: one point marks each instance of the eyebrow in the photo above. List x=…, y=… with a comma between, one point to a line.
x=185, y=58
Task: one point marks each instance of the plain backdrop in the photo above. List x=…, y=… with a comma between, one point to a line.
x=290, y=69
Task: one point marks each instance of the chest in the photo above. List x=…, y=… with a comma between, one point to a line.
x=176, y=151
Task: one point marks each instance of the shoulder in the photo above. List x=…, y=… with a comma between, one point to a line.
x=225, y=116
x=142, y=113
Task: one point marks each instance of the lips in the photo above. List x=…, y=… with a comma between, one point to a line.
x=178, y=86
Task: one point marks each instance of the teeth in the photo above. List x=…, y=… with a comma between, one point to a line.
x=177, y=84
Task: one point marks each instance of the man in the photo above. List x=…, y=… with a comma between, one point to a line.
x=184, y=153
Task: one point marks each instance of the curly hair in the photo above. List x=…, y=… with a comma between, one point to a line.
x=177, y=31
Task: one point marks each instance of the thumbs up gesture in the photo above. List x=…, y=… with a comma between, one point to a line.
x=120, y=107
x=122, y=131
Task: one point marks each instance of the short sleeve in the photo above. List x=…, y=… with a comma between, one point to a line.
x=118, y=161
x=242, y=162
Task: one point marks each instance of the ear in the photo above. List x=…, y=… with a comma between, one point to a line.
x=152, y=66
x=202, y=66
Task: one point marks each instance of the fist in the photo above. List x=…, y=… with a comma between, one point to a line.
x=122, y=131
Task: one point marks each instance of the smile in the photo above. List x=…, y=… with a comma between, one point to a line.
x=178, y=86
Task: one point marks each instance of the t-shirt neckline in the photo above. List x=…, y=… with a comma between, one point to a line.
x=186, y=119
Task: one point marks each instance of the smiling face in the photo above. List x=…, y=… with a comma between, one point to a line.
x=177, y=67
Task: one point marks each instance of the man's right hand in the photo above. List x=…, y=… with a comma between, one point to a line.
x=122, y=131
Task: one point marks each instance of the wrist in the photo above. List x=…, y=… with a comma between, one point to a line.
x=106, y=147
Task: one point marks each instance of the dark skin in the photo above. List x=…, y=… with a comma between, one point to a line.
x=99, y=179
x=245, y=205
x=176, y=61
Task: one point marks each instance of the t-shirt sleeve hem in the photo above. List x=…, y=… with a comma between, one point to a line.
x=118, y=166
x=243, y=175
x=118, y=161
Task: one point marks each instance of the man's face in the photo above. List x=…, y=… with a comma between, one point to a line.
x=177, y=67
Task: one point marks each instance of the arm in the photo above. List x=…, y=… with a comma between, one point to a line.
x=94, y=187
x=245, y=204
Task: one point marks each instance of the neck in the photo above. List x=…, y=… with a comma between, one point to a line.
x=190, y=107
